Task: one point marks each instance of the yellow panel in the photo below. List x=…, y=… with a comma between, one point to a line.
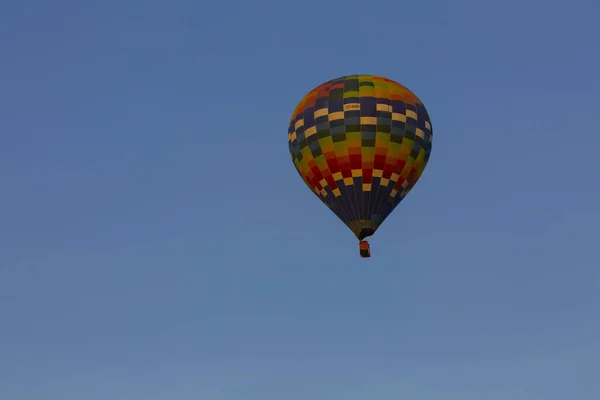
x=366, y=187
x=310, y=131
x=321, y=112
x=336, y=115
x=368, y=120
x=398, y=117
x=356, y=173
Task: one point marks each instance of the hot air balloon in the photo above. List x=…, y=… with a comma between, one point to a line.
x=360, y=143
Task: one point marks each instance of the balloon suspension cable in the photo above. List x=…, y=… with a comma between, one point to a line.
x=364, y=249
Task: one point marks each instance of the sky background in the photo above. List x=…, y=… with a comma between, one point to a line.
x=157, y=243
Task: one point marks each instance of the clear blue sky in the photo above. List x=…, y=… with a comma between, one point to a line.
x=157, y=243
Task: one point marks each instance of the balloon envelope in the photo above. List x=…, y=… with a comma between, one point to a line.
x=360, y=143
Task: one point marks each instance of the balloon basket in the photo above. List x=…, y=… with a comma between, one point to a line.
x=365, y=249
